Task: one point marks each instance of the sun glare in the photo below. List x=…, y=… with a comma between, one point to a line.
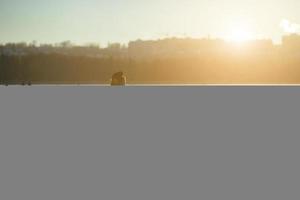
x=239, y=34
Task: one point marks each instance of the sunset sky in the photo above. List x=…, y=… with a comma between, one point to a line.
x=104, y=21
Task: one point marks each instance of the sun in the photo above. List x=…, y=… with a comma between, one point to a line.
x=239, y=34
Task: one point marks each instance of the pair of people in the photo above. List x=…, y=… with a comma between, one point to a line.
x=118, y=79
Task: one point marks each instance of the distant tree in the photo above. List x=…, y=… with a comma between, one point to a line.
x=93, y=45
x=66, y=44
x=114, y=46
x=33, y=43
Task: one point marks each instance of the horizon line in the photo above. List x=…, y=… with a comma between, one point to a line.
x=98, y=43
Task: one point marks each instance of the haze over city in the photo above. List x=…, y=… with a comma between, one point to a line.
x=149, y=42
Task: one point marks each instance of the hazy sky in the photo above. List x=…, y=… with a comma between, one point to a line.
x=103, y=21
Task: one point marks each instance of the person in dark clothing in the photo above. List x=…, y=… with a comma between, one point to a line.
x=118, y=79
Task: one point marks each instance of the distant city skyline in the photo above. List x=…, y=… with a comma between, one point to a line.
x=104, y=21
